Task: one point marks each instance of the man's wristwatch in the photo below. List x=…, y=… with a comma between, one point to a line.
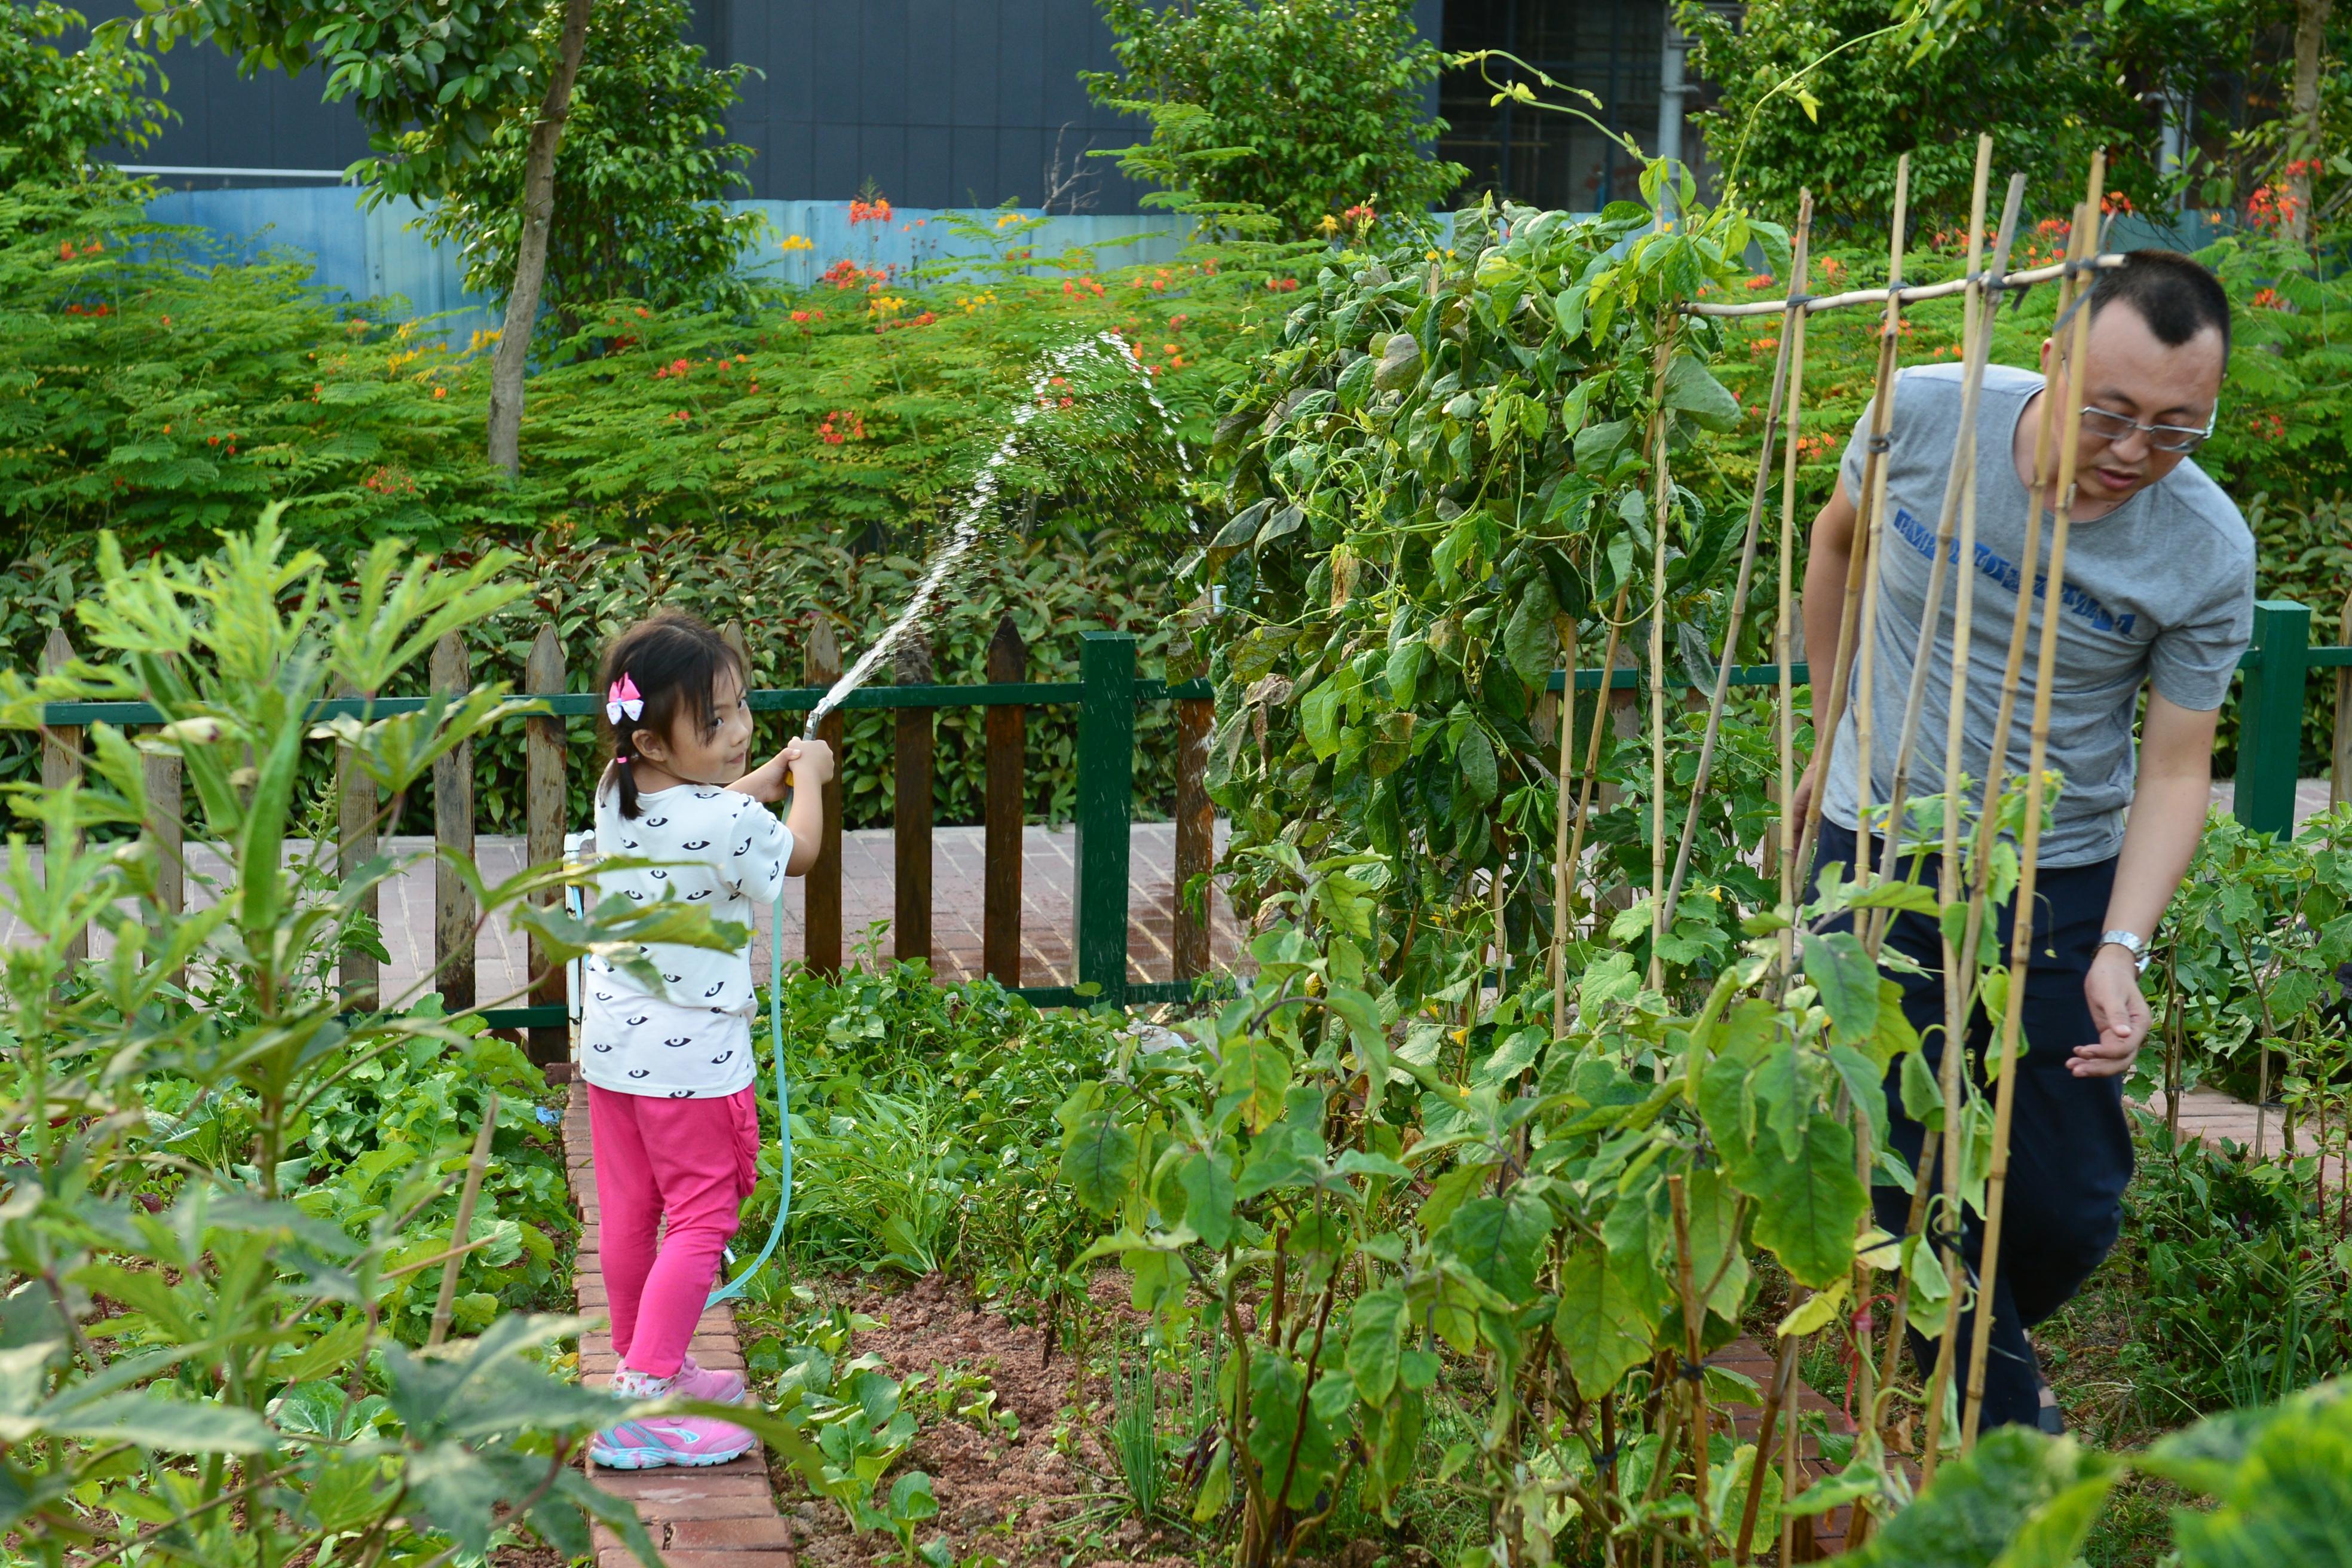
x=2130, y=942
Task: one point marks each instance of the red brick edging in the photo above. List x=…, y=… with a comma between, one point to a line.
x=722, y=1517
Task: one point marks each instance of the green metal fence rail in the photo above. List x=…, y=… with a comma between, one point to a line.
x=2277, y=667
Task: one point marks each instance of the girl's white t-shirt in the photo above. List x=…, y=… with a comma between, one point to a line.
x=726, y=852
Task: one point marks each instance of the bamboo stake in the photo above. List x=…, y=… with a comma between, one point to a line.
x=1957, y=482
x=1917, y=292
x=2045, y=440
x=1600, y=721
x=1663, y=491
x=1784, y=643
x=1875, y=464
x=1784, y=1374
x=1694, y=1368
x=1961, y=476
x=1830, y=704
x=1920, y=1191
x=1960, y=970
x=2020, y=947
x=474, y=1167
x=1799, y=262
x=1560, y=862
x=1788, y=1477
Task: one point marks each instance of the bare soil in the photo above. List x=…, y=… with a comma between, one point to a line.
x=1047, y=1495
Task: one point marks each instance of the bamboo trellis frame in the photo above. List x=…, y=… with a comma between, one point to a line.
x=1981, y=287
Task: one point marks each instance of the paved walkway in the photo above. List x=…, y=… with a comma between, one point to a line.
x=867, y=895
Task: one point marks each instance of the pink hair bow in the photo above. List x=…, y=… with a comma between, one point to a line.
x=623, y=701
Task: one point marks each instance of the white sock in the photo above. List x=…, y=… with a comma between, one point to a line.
x=631, y=1383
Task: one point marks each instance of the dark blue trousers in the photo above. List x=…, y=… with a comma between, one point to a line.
x=2070, y=1148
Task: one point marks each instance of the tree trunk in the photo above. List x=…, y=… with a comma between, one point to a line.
x=530, y=255
x=2303, y=115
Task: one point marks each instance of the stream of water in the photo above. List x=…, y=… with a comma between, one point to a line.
x=980, y=506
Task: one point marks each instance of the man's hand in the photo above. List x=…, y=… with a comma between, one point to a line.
x=2112, y=988
x=1801, y=800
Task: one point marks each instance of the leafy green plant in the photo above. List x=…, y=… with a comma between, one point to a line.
x=195, y=1363
x=1301, y=117
x=1824, y=94
x=2245, y=1273
x=2258, y=931
x=58, y=106
x=1135, y=1436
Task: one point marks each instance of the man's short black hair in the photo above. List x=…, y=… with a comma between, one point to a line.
x=2175, y=295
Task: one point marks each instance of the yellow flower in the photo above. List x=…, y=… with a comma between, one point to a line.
x=1008, y=219
x=1330, y=226
x=797, y=242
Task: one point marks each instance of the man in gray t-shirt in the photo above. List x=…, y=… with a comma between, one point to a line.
x=2158, y=593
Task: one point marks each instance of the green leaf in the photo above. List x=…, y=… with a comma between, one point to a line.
x=2019, y=1499
x=1501, y=1240
x=1840, y=969
x=1599, y=1323
x=1376, y=1334
x=1255, y=1074
x=1099, y=1159
x=1923, y=1097
x=2283, y=1499
x=1531, y=641
x=1475, y=757
x=1692, y=391
x=1808, y=1205
x=1208, y=1187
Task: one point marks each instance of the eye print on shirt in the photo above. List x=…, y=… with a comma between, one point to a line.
x=636, y=1022
x=681, y=1094
x=703, y=894
x=722, y=1056
x=680, y=1041
x=656, y=822
x=599, y=1047
x=635, y=894
x=716, y=989
x=696, y=844
x=603, y=995
x=641, y=1072
x=671, y=978
x=661, y=876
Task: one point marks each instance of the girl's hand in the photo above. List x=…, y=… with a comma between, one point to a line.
x=809, y=761
x=769, y=781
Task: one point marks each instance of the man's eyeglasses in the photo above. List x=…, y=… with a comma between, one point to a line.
x=2107, y=425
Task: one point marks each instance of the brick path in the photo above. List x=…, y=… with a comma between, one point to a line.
x=722, y=1517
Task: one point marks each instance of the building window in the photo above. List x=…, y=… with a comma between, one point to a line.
x=1607, y=47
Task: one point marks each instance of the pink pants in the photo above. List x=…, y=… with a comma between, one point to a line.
x=691, y=1162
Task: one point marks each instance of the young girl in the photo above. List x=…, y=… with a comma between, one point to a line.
x=670, y=1067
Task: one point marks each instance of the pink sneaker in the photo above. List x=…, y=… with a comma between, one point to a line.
x=654, y=1441
x=718, y=1387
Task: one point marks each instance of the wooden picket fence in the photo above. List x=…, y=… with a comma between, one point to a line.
x=1105, y=693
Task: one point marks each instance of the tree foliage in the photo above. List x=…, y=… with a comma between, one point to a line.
x=642, y=175
x=1824, y=94
x=444, y=74
x=56, y=105
x=1279, y=114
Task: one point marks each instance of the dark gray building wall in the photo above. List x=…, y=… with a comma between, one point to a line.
x=938, y=102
